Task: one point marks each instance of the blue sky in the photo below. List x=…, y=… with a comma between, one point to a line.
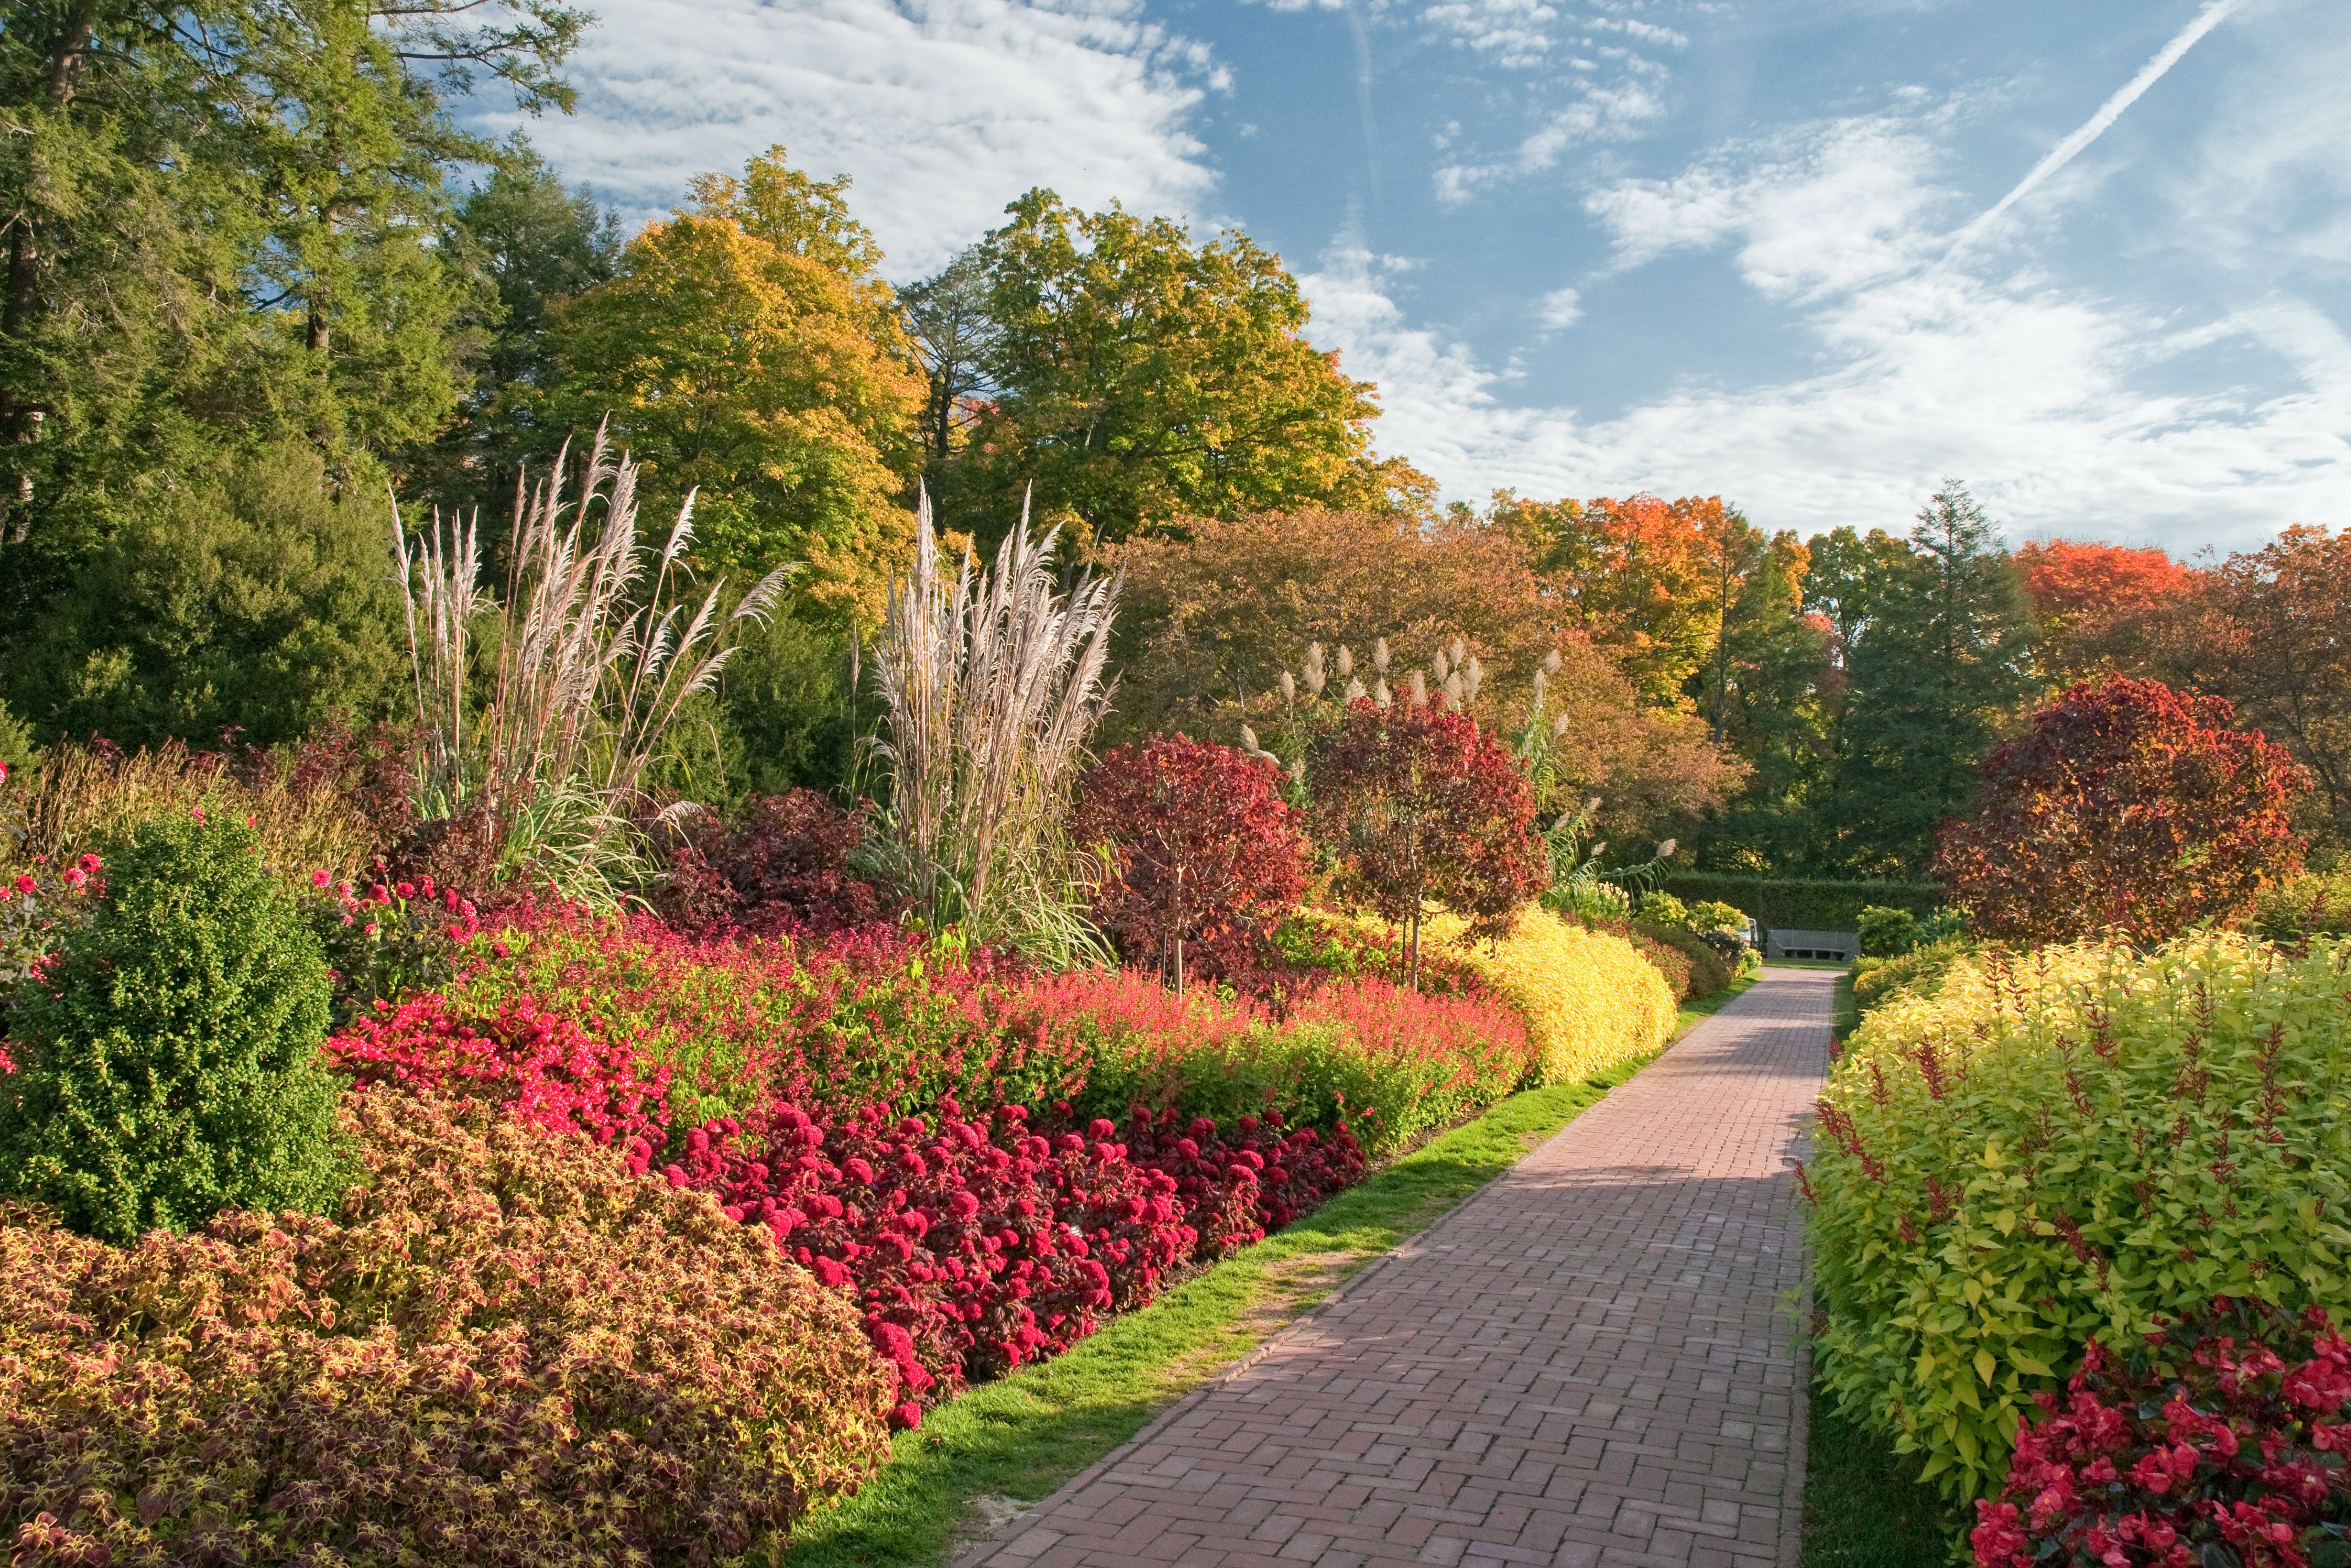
x=1747, y=247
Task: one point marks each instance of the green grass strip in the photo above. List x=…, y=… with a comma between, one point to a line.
x=1847, y=1017
x=1021, y=1436
x=1863, y=1507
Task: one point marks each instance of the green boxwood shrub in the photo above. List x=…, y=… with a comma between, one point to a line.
x=1886, y=932
x=167, y=1064
x=2066, y=1145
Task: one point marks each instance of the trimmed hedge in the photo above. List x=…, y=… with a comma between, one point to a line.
x=1803, y=903
x=1591, y=1001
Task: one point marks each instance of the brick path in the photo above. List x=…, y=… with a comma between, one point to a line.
x=1590, y=1363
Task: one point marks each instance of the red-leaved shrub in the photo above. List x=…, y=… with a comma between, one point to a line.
x=504, y=1351
x=2124, y=806
x=1208, y=856
x=2223, y=1440
x=972, y=1246
x=1289, y=1171
x=782, y=868
x=552, y=1067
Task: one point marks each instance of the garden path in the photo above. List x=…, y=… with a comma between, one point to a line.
x=1590, y=1363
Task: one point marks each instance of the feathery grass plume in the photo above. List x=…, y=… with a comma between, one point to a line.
x=990, y=685
x=1438, y=666
x=1419, y=689
x=1314, y=677
x=1355, y=693
x=1456, y=692
x=1477, y=677
x=1381, y=694
x=1346, y=664
x=1458, y=650
x=1380, y=657
x=594, y=661
x=1289, y=689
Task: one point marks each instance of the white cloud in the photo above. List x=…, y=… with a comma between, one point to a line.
x=1559, y=309
x=942, y=111
x=1602, y=113
x=2038, y=395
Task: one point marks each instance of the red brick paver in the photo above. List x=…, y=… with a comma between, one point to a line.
x=1589, y=1363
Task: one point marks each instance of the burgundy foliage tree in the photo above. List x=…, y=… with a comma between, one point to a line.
x=1208, y=858
x=783, y=867
x=1422, y=807
x=2124, y=807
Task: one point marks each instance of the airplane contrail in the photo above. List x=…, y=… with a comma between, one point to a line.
x=2108, y=112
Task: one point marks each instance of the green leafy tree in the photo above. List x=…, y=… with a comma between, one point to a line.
x=1937, y=665
x=1769, y=694
x=167, y=1065
x=537, y=242
x=1140, y=379
x=949, y=316
x=748, y=350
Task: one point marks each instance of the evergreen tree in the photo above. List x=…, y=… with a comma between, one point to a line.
x=1768, y=696
x=1936, y=661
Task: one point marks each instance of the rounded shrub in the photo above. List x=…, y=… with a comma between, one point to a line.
x=1886, y=932
x=503, y=1350
x=166, y=1062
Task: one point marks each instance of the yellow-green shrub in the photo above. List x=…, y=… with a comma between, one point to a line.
x=1876, y=980
x=2064, y=1145
x=1591, y=1000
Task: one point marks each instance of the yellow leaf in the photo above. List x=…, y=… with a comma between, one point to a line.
x=1985, y=1366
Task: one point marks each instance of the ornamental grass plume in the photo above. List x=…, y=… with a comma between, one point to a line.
x=595, y=652
x=991, y=686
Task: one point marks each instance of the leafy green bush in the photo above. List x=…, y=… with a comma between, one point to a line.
x=2317, y=904
x=2068, y=1145
x=1709, y=971
x=1918, y=972
x=1886, y=932
x=1713, y=915
x=1661, y=909
x=166, y=1063
x=504, y=1350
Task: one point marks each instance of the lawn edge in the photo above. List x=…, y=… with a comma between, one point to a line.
x=1247, y=1268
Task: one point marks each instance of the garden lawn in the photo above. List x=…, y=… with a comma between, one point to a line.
x=977, y=1459
x=1863, y=1507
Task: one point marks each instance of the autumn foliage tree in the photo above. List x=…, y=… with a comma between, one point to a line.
x=1208, y=856
x=1421, y=807
x=2126, y=806
x=2092, y=603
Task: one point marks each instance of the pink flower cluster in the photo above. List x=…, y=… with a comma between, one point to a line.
x=2211, y=1447
x=973, y=1245
x=1276, y=1175
x=554, y=1068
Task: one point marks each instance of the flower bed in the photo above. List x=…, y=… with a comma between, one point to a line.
x=2048, y=1150
x=1590, y=1000
x=505, y=1350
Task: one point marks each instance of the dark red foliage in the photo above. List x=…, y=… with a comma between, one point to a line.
x=2126, y=807
x=2221, y=1442
x=1289, y=1171
x=971, y=1246
x=1422, y=807
x=783, y=867
x=1210, y=857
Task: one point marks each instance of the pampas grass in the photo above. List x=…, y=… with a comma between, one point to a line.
x=991, y=684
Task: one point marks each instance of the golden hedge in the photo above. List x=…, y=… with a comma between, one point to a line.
x=1591, y=1000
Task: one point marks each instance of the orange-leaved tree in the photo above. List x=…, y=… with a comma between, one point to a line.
x=2124, y=807
x=2093, y=603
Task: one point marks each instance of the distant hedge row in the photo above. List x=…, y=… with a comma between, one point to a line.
x=1804, y=903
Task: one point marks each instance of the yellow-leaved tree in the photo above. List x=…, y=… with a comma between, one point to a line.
x=749, y=346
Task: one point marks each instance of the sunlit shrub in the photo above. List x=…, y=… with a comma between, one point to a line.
x=504, y=1351
x=782, y=868
x=1590, y=1001
x=166, y=1061
x=2067, y=1145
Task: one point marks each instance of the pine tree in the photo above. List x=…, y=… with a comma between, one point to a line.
x=1935, y=666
